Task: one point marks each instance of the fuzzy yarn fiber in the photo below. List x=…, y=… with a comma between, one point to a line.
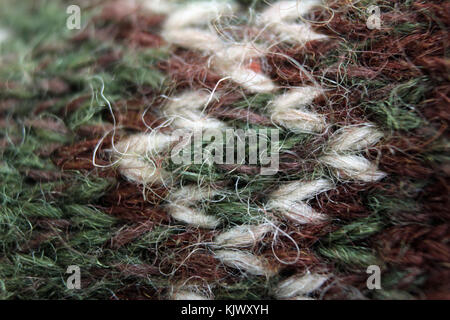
x=87, y=118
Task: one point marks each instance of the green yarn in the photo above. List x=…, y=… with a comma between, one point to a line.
x=350, y=256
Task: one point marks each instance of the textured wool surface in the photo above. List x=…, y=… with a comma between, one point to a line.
x=90, y=119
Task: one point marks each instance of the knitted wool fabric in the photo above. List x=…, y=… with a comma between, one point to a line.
x=351, y=103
